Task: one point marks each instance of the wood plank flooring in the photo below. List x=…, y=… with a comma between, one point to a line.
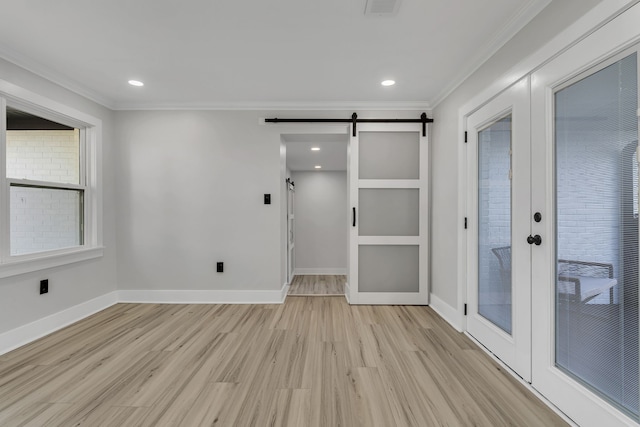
x=313, y=361
x=308, y=285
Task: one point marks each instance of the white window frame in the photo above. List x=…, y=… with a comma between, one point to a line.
x=90, y=182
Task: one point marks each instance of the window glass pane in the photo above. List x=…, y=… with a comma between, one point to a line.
x=596, y=136
x=42, y=150
x=494, y=223
x=44, y=219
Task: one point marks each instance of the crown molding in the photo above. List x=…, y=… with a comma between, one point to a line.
x=283, y=106
x=499, y=39
x=59, y=79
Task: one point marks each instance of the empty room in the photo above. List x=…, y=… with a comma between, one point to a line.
x=319, y=213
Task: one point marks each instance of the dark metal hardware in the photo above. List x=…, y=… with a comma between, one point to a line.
x=354, y=119
x=537, y=217
x=354, y=216
x=534, y=239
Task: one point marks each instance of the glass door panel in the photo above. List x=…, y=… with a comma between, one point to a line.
x=389, y=155
x=494, y=223
x=596, y=289
x=389, y=212
x=389, y=268
x=498, y=254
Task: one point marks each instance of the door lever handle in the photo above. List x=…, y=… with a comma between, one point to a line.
x=354, y=216
x=534, y=239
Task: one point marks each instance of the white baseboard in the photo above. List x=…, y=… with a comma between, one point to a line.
x=320, y=271
x=347, y=292
x=447, y=312
x=196, y=296
x=32, y=331
x=284, y=291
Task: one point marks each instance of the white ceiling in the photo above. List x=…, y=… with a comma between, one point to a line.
x=257, y=53
x=332, y=155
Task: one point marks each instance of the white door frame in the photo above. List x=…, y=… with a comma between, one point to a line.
x=297, y=129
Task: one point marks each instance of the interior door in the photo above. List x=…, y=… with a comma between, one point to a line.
x=585, y=274
x=499, y=245
x=290, y=231
x=388, y=195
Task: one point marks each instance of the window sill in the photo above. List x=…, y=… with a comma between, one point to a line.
x=31, y=263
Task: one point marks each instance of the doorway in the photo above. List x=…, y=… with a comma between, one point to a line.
x=317, y=229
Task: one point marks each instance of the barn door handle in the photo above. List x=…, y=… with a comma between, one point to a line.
x=353, y=212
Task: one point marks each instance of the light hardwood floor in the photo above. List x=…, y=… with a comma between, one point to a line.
x=309, y=362
x=317, y=285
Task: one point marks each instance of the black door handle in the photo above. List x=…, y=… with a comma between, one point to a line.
x=354, y=216
x=534, y=239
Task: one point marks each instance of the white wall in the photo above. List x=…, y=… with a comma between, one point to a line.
x=321, y=222
x=447, y=220
x=20, y=301
x=190, y=192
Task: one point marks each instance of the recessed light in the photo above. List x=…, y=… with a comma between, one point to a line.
x=315, y=148
x=388, y=82
x=318, y=167
x=136, y=83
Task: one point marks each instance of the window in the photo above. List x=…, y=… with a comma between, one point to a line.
x=50, y=194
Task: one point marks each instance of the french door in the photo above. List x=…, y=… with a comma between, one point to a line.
x=585, y=274
x=553, y=246
x=388, y=216
x=499, y=264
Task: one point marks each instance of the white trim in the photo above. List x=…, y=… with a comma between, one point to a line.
x=43, y=260
x=39, y=103
x=386, y=183
x=25, y=334
x=347, y=293
x=204, y=296
x=341, y=271
x=390, y=240
x=280, y=106
x=528, y=386
x=284, y=291
x=450, y=314
x=461, y=269
x=45, y=72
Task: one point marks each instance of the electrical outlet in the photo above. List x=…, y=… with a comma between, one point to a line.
x=220, y=267
x=44, y=286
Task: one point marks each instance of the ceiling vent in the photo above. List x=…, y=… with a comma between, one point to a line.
x=382, y=7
